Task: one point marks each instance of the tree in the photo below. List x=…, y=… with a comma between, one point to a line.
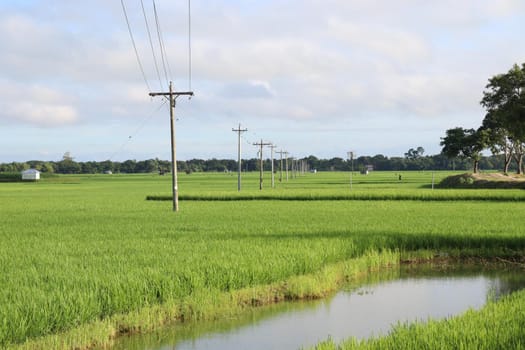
x=128, y=166
x=67, y=156
x=504, y=100
x=498, y=139
x=47, y=167
x=106, y=166
x=415, y=153
x=67, y=165
x=468, y=143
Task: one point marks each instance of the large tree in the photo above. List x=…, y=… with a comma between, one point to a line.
x=504, y=100
x=467, y=143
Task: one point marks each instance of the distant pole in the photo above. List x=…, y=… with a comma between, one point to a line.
x=261, y=145
x=286, y=155
x=172, y=96
x=273, y=175
x=432, y=180
x=281, y=152
x=350, y=156
x=239, y=131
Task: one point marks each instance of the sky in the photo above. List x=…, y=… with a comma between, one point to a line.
x=313, y=77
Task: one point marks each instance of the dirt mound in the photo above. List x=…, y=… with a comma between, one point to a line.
x=485, y=180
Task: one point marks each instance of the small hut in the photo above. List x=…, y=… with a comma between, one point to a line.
x=30, y=175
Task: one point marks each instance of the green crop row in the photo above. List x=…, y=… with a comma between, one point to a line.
x=441, y=195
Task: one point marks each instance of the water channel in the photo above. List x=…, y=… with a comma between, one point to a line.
x=371, y=308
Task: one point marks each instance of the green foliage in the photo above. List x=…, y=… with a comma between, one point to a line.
x=10, y=177
x=468, y=143
x=504, y=100
x=379, y=162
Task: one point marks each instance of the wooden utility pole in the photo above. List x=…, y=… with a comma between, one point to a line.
x=238, y=131
x=286, y=155
x=273, y=176
x=350, y=156
x=172, y=96
x=281, y=152
x=261, y=145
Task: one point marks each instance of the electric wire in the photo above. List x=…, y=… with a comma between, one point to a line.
x=161, y=43
x=189, y=45
x=151, y=43
x=137, y=130
x=134, y=45
x=165, y=52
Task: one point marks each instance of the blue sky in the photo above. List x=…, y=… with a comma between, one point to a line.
x=313, y=77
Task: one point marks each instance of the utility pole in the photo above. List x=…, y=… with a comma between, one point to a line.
x=261, y=145
x=172, y=96
x=238, y=131
x=350, y=156
x=272, y=146
x=286, y=155
x=281, y=152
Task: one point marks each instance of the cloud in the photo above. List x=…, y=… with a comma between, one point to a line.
x=35, y=105
x=42, y=114
x=379, y=42
x=247, y=89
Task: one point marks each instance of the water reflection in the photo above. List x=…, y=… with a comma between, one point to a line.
x=404, y=294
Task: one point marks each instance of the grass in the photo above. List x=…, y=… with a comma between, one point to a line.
x=86, y=257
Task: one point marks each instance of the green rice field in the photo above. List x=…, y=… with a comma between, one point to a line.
x=86, y=258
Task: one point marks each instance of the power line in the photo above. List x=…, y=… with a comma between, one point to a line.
x=137, y=129
x=161, y=42
x=151, y=42
x=189, y=44
x=134, y=46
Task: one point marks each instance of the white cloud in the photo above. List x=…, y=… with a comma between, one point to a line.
x=389, y=43
x=36, y=105
x=42, y=114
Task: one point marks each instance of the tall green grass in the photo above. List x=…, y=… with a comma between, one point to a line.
x=80, y=250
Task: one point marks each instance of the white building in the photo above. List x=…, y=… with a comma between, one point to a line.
x=31, y=174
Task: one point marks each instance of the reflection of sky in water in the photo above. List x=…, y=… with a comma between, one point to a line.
x=361, y=313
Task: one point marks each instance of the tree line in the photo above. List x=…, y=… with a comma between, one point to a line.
x=411, y=161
